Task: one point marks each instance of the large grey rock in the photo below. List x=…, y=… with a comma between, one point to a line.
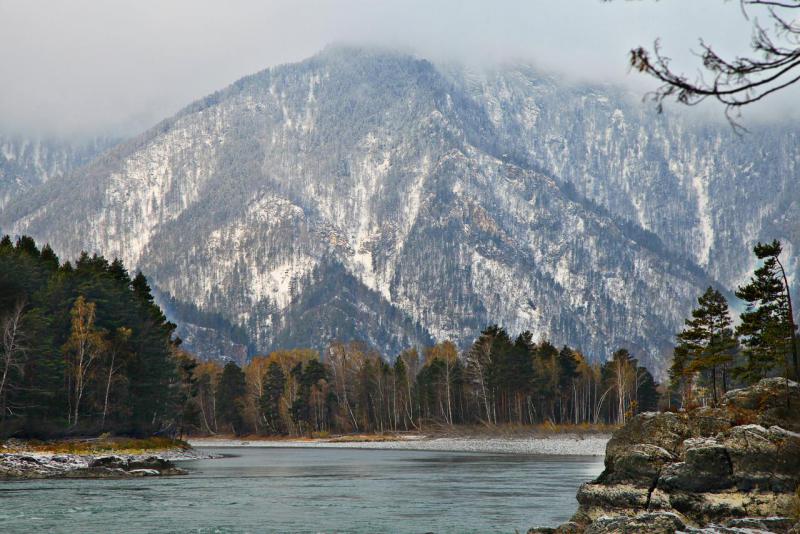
x=666, y=430
x=712, y=468
x=569, y=527
x=150, y=462
x=112, y=461
x=639, y=465
x=706, y=467
x=709, y=421
x=770, y=402
x=767, y=459
x=767, y=524
x=95, y=472
x=645, y=523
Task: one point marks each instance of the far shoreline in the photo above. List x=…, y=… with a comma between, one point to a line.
x=552, y=445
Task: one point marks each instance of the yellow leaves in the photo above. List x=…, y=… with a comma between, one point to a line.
x=85, y=341
x=445, y=351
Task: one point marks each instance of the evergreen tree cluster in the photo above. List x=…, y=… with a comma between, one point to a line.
x=711, y=355
x=84, y=348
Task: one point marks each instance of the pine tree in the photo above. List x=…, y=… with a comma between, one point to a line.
x=229, y=398
x=708, y=339
x=680, y=381
x=274, y=386
x=646, y=391
x=767, y=326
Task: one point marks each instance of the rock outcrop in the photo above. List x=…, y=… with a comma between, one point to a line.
x=45, y=465
x=723, y=469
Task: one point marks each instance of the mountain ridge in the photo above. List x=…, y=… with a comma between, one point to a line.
x=395, y=170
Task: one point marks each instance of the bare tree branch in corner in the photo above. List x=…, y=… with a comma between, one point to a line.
x=737, y=82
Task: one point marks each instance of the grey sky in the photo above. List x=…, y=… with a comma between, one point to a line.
x=85, y=67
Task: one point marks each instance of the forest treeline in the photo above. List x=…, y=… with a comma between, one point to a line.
x=354, y=389
x=85, y=350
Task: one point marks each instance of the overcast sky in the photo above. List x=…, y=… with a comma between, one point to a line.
x=92, y=67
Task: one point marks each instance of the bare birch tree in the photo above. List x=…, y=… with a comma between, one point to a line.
x=13, y=351
x=84, y=346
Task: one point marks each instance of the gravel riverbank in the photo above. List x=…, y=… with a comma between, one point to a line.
x=574, y=445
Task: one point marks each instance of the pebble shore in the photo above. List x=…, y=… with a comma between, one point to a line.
x=594, y=445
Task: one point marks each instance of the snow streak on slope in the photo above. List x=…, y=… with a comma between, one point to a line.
x=371, y=195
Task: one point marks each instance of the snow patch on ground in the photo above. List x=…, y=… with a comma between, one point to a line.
x=700, y=185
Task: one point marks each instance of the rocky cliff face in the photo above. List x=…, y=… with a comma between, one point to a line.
x=735, y=466
x=370, y=195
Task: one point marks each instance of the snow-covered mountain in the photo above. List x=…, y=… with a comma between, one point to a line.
x=369, y=194
x=29, y=161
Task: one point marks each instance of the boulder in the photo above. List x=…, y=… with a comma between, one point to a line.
x=706, y=467
x=732, y=468
x=770, y=402
x=150, y=462
x=95, y=472
x=639, y=465
x=767, y=459
x=569, y=527
x=112, y=461
x=144, y=472
x=708, y=421
x=597, y=499
x=645, y=523
x=665, y=430
x=768, y=524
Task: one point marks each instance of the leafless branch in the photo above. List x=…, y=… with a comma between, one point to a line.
x=773, y=66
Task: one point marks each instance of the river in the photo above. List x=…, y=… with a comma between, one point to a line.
x=312, y=490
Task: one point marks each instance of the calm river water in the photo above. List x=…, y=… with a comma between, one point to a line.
x=312, y=490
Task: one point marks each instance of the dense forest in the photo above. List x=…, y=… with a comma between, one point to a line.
x=86, y=350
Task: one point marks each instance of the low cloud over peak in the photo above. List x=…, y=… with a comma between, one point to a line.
x=114, y=67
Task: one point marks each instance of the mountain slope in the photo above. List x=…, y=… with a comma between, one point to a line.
x=708, y=193
x=367, y=194
x=28, y=162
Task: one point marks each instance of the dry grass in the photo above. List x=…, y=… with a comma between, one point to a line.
x=103, y=444
x=354, y=438
x=795, y=509
x=439, y=430
x=518, y=431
